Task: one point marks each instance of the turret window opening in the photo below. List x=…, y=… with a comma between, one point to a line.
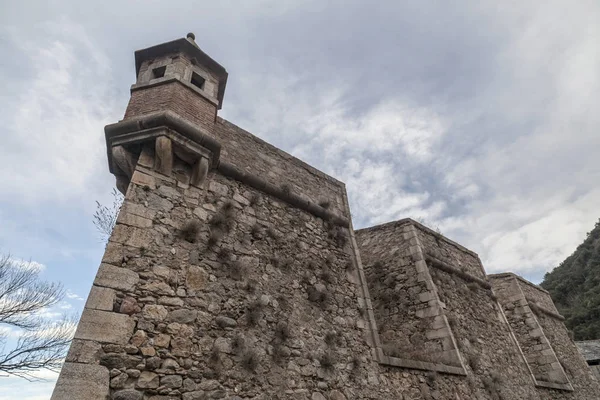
x=159, y=72
x=198, y=81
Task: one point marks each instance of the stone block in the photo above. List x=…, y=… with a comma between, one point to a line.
x=116, y=277
x=134, y=220
x=113, y=254
x=105, y=327
x=426, y=297
x=428, y=312
x=438, y=333
x=218, y=188
x=421, y=266
x=423, y=277
x=154, y=312
x=201, y=213
x=84, y=351
x=196, y=278
x=139, y=210
x=82, y=382
x=100, y=298
x=148, y=380
x=131, y=236
x=142, y=179
x=182, y=316
x=439, y=322
x=127, y=394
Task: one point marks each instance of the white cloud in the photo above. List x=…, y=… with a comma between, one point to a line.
x=73, y=296
x=40, y=390
x=522, y=197
x=54, y=140
x=26, y=264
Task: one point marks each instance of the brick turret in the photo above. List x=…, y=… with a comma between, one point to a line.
x=174, y=103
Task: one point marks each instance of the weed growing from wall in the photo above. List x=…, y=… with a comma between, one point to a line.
x=189, y=231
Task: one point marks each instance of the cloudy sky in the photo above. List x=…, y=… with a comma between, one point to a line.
x=476, y=117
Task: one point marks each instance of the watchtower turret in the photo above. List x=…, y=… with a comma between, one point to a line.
x=174, y=104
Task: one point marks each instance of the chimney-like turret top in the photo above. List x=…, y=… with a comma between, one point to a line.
x=190, y=48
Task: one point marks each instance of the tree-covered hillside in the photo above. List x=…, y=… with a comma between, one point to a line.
x=575, y=287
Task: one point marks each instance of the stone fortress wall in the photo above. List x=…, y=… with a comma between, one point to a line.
x=233, y=272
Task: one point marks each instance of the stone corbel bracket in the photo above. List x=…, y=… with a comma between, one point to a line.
x=171, y=135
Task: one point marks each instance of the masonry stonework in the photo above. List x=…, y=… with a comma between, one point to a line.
x=233, y=272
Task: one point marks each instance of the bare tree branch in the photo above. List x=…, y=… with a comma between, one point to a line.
x=105, y=218
x=42, y=343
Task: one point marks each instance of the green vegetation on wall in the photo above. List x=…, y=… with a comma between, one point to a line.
x=575, y=287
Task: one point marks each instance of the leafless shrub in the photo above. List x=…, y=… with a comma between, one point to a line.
x=492, y=385
x=254, y=199
x=340, y=236
x=279, y=353
x=332, y=338
x=236, y=270
x=272, y=233
x=355, y=364
x=219, y=221
x=105, y=218
x=362, y=311
x=327, y=360
x=431, y=378
x=305, y=280
x=452, y=321
x=251, y=285
x=330, y=260
x=223, y=220
x=286, y=189
x=254, y=313
x=472, y=286
x=325, y=203
x=256, y=231
x=496, y=378
x=285, y=264
x=474, y=361
x=213, y=238
x=283, y=302
x=238, y=344
x=215, y=356
x=349, y=266
x=275, y=261
x=250, y=360
x=311, y=265
x=224, y=254
x=42, y=343
x=326, y=275
x=214, y=361
x=282, y=331
x=190, y=230
x=317, y=296
x=228, y=207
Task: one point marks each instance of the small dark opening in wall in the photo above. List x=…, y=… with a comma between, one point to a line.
x=158, y=72
x=197, y=80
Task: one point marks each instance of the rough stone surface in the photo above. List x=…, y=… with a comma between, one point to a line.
x=116, y=278
x=84, y=351
x=127, y=394
x=224, y=291
x=82, y=382
x=101, y=298
x=104, y=327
